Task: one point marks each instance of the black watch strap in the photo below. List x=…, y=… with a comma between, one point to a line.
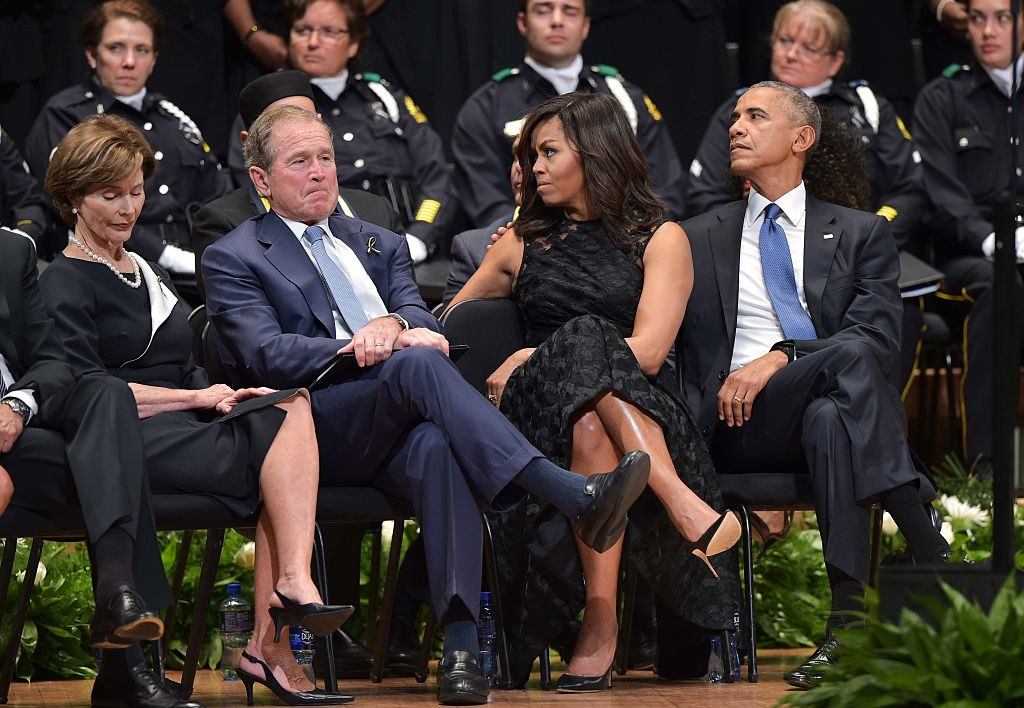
x=788, y=346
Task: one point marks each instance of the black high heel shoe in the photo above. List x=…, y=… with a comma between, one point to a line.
x=720, y=537
x=571, y=683
x=316, y=697
x=319, y=619
x=769, y=538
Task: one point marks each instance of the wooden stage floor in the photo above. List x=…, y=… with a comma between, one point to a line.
x=635, y=690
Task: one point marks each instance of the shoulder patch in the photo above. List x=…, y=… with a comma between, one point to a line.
x=605, y=70
x=903, y=128
x=186, y=125
x=414, y=110
x=505, y=73
x=651, y=108
x=952, y=70
x=370, y=76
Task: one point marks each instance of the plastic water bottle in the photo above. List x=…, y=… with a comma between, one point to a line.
x=716, y=669
x=304, y=648
x=486, y=637
x=235, y=630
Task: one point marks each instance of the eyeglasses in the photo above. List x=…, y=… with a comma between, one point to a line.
x=802, y=50
x=328, y=35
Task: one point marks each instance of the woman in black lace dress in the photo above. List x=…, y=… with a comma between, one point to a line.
x=602, y=280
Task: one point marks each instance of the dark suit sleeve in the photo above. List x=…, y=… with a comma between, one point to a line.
x=662, y=159
x=248, y=326
x=460, y=268
x=873, y=317
x=24, y=198
x=208, y=225
x=403, y=297
x=482, y=162
x=710, y=182
x=46, y=372
x=71, y=304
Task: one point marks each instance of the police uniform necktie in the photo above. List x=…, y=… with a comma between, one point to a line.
x=777, y=268
x=338, y=284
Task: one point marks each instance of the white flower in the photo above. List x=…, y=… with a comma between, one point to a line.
x=947, y=532
x=40, y=575
x=956, y=509
x=245, y=557
x=889, y=527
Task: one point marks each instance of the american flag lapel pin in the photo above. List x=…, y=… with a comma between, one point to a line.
x=828, y=236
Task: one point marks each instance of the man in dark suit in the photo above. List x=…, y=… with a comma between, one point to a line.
x=215, y=219
x=291, y=289
x=791, y=328
x=58, y=445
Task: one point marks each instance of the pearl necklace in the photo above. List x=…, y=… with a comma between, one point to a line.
x=100, y=259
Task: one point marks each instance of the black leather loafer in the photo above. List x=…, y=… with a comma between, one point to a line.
x=602, y=523
x=352, y=658
x=140, y=688
x=460, y=682
x=124, y=620
x=809, y=673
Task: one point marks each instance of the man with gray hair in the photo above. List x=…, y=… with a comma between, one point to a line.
x=792, y=325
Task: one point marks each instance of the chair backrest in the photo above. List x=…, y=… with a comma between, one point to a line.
x=493, y=330
x=215, y=372
x=197, y=323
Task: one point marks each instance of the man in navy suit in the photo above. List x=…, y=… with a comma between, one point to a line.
x=790, y=331
x=289, y=289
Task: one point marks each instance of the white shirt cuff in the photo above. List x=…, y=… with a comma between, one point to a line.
x=26, y=397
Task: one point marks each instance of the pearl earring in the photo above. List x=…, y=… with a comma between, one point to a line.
x=74, y=210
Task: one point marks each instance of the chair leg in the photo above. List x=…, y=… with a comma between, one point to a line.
x=374, y=608
x=504, y=664
x=876, y=547
x=320, y=568
x=728, y=670
x=748, y=584
x=423, y=665
x=20, y=615
x=6, y=568
x=546, y=683
x=204, y=595
x=929, y=404
x=180, y=565
x=626, y=628
x=388, y=604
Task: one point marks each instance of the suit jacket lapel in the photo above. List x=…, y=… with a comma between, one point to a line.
x=818, y=254
x=725, y=250
x=287, y=255
x=350, y=232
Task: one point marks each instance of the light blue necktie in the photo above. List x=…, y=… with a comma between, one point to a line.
x=777, y=268
x=338, y=284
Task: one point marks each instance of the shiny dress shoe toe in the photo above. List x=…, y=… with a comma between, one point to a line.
x=139, y=689
x=123, y=620
x=352, y=658
x=603, y=522
x=460, y=681
x=570, y=683
x=808, y=673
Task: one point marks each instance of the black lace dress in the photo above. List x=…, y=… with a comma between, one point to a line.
x=579, y=295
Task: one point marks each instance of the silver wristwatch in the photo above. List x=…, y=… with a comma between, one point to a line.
x=401, y=321
x=18, y=406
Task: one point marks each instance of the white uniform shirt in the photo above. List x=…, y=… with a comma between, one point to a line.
x=565, y=80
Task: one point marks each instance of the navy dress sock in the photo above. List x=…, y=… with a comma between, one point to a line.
x=459, y=630
x=558, y=486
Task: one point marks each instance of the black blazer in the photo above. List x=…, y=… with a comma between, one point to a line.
x=850, y=280
x=28, y=340
x=223, y=214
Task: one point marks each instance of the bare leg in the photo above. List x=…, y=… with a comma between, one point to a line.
x=6, y=490
x=632, y=429
x=593, y=450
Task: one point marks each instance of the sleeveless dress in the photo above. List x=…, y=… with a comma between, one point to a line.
x=578, y=295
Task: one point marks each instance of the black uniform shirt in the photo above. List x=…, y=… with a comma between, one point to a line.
x=962, y=128
x=187, y=171
x=491, y=118
x=893, y=165
x=23, y=204
x=383, y=144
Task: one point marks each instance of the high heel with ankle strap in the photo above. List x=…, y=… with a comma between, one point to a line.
x=316, y=697
x=572, y=683
x=319, y=619
x=720, y=537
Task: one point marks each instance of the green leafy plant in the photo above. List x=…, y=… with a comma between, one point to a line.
x=792, y=592
x=966, y=658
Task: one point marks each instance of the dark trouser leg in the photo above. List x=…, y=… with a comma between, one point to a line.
x=38, y=468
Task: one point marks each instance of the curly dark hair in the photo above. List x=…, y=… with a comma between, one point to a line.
x=616, y=180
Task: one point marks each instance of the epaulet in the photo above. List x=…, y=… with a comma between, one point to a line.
x=505, y=73
x=605, y=70
x=953, y=69
x=186, y=125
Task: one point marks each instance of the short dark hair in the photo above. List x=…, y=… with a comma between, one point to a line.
x=355, y=13
x=136, y=10
x=801, y=108
x=616, y=179
x=587, y=6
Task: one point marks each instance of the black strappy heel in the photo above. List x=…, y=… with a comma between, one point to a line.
x=319, y=619
x=316, y=697
x=720, y=537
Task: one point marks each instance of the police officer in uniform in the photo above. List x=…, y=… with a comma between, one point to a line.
x=122, y=39
x=810, y=41
x=383, y=142
x=962, y=128
x=23, y=204
x=491, y=118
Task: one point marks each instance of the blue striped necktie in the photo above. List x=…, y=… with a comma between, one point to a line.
x=338, y=284
x=777, y=268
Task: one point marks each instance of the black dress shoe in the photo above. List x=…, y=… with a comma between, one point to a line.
x=123, y=620
x=352, y=658
x=809, y=673
x=570, y=683
x=460, y=682
x=403, y=658
x=602, y=523
x=140, y=688
x=642, y=655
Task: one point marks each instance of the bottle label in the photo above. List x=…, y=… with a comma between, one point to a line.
x=301, y=639
x=232, y=621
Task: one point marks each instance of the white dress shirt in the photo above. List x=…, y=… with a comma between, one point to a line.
x=819, y=90
x=757, y=325
x=333, y=86
x=565, y=80
x=26, y=397
x=343, y=256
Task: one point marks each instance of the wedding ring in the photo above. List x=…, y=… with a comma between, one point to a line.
x=378, y=345
x=492, y=398
x=737, y=399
